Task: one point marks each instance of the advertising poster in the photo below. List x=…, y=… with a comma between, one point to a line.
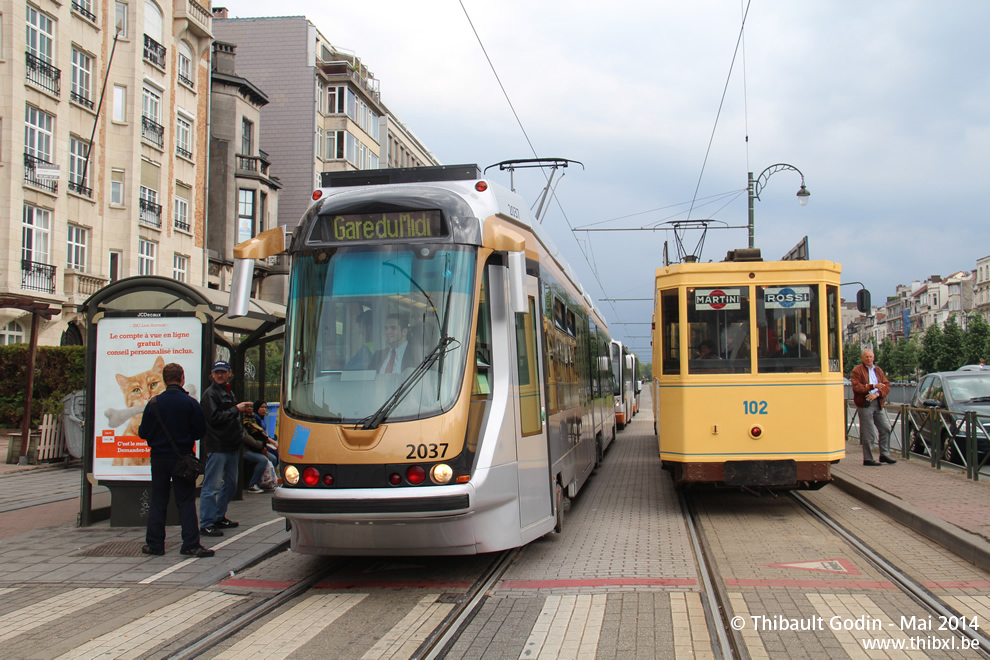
x=130, y=354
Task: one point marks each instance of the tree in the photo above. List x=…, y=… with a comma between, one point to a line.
x=851, y=352
x=975, y=339
x=952, y=353
x=904, y=358
x=932, y=346
x=884, y=357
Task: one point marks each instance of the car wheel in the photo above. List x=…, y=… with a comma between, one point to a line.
x=949, y=452
x=918, y=445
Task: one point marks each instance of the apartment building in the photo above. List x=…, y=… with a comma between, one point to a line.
x=97, y=187
x=325, y=110
x=243, y=197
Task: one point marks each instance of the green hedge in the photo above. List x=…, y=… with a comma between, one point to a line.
x=58, y=370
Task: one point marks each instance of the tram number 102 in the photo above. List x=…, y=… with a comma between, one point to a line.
x=755, y=407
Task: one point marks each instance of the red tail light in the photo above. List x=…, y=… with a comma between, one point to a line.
x=415, y=474
x=311, y=476
x=328, y=480
x=395, y=478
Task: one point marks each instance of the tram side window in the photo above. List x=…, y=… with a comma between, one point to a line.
x=670, y=329
x=718, y=329
x=529, y=382
x=834, y=329
x=788, y=323
x=483, y=343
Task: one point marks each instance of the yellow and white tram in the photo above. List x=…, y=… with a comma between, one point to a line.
x=747, y=372
x=446, y=380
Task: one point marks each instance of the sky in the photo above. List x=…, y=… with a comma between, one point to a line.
x=883, y=105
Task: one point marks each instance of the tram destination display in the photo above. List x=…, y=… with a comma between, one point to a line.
x=382, y=227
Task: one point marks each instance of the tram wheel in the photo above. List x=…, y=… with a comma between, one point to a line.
x=559, y=505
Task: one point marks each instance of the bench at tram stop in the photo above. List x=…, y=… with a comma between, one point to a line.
x=46, y=443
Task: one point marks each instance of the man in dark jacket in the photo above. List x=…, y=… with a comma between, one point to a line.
x=224, y=437
x=184, y=421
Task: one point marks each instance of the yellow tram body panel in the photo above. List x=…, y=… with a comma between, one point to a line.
x=748, y=380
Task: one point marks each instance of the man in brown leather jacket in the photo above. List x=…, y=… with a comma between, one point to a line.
x=870, y=386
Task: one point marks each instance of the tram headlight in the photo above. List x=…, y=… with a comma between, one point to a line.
x=291, y=475
x=441, y=473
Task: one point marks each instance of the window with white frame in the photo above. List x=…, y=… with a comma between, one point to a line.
x=373, y=130
x=247, y=137
x=82, y=78
x=153, y=20
x=372, y=163
x=36, y=234
x=181, y=213
x=84, y=7
x=38, y=130
x=119, y=103
x=40, y=35
x=362, y=150
x=180, y=267
x=320, y=98
x=146, y=256
x=183, y=137
x=76, y=253
x=245, y=214
x=151, y=211
x=114, y=269
x=350, y=103
x=78, y=170
x=151, y=105
x=363, y=115
x=12, y=333
x=120, y=18
x=332, y=145
x=184, y=60
x=319, y=143
x=335, y=100
x=117, y=187
x=350, y=148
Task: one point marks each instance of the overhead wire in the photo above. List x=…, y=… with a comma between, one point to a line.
x=718, y=114
x=515, y=114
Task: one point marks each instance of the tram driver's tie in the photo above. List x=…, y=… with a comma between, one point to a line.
x=391, y=362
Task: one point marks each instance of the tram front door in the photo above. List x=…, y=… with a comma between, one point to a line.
x=532, y=452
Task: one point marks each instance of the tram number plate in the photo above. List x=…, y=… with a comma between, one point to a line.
x=755, y=407
x=427, y=451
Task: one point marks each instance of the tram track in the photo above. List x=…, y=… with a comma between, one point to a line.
x=908, y=585
x=730, y=643
x=434, y=646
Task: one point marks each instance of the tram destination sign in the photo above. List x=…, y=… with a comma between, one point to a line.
x=717, y=299
x=787, y=297
x=383, y=227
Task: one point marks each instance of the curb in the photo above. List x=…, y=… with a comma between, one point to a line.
x=973, y=548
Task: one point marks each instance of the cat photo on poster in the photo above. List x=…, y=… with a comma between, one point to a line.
x=131, y=353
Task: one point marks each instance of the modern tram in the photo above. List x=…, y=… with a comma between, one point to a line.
x=446, y=379
x=624, y=377
x=747, y=372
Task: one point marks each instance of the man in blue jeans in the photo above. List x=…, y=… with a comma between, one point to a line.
x=224, y=437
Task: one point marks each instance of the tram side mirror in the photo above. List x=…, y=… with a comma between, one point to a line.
x=863, y=301
x=262, y=246
x=517, y=282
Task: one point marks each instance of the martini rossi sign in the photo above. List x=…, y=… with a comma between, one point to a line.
x=716, y=299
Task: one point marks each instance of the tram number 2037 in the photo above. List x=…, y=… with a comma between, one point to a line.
x=755, y=407
x=427, y=451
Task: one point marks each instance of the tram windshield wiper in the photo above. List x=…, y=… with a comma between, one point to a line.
x=443, y=346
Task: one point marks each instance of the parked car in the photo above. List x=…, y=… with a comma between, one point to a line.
x=955, y=392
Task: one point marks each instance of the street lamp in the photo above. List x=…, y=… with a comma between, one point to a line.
x=757, y=184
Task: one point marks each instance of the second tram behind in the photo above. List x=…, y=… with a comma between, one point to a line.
x=446, y=380
x=747, y=372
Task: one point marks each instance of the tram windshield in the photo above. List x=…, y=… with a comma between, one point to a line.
x=367, y=325
x=787, y=321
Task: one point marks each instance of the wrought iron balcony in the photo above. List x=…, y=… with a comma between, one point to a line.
x=185, y=153
x=37, y=277
x=151, y=213
x=153, y=132
x=78, y=8
x=182, y=226
x=80, y=189
x=31, y=164
x=185, y=81
x=80, y=99
x=43, y=74
x=154, y=52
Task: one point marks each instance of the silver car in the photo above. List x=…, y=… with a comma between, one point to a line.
x=955, y=392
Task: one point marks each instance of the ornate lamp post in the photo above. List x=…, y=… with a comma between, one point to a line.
x=757, y=184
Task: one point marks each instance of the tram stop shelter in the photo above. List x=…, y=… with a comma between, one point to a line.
x=164, y=305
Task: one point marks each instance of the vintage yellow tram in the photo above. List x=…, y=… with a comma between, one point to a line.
x=747, y=372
